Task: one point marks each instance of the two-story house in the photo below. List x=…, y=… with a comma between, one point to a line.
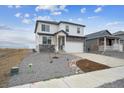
x=59, y=36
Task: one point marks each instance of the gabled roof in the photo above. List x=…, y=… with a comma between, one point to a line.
x=110, y=36
x=98, y=34
x=71, y=23
x=50, y=22
x=61, y=31
x=118, y=33
x=56, y=23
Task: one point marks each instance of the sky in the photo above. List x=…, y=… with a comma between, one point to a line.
x=17, y=22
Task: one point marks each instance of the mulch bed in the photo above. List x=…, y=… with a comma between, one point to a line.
x=88, y=65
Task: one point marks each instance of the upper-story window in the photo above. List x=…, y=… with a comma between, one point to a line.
x=67, y=28
x=45, y=28
x=47, y=40
x=78, y=30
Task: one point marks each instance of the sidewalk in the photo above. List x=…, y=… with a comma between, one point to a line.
x=88, y=80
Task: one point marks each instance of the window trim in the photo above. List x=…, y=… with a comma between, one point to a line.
x=47, y=38
x=46, y=28
x=67, y=28
x=78, y=30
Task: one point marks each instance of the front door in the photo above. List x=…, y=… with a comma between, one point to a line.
x=61, y=42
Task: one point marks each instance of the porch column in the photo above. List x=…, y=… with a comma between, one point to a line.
x=119, y=42
x=97, y=44
x=56, y=43
x=65, y=43
x=104, y=43
x=115, y=41
x=119, y=45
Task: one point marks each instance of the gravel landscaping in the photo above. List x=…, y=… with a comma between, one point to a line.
x=44, y=66
x=115, y=84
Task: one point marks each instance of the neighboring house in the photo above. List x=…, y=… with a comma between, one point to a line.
x=120, y=34
x=59, y=36
x=103, y=41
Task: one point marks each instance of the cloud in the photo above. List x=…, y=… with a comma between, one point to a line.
x=114, y=26
x=92, y=17
x=10, y=6
x=14, y=6
x=24, y=17
x=79, y=19
x=17, y=6
x=16, y=37
x=56, y=13
x=113, y=23
x=5, y=27
x=18, y=15
x=70, y=20
x=97, y=10
x=83, y=10
x=63, y=7
x=75, y=20
x=27, y=21
x=51, y=8
x=46, y=7
x=42, y=18
x=27, y=15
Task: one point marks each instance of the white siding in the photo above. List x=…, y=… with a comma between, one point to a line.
x=53, y=28
x=74, y=46
x=40, y=39
x=72, y=29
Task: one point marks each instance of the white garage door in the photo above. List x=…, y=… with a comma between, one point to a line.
x=74, y=47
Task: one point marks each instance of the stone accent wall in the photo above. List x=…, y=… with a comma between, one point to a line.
x=47, y=48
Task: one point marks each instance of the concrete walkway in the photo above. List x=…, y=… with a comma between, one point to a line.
x=106, y=60
x=88, y=80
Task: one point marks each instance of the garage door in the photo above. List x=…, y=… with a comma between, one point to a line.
x=74, y=47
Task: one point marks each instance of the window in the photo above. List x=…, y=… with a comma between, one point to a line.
x=45, y=28
x=67, y=28
x=78, y=30
x=49, y=40
x=46, y=40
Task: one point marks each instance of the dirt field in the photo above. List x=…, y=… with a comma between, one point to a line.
x=8, y=59
x=88, y=65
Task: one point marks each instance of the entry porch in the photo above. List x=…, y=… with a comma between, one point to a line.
x=109, y=43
